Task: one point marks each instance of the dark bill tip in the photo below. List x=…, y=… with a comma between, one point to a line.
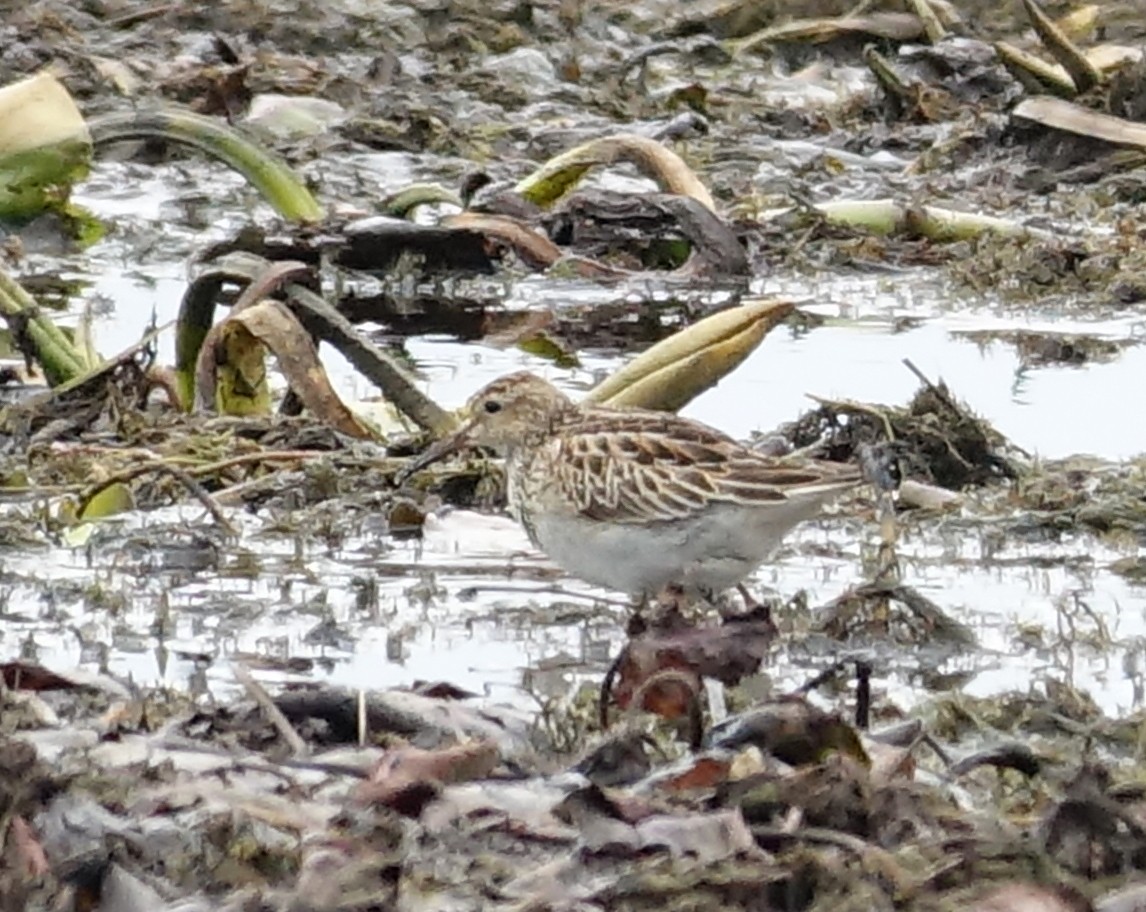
x=434, y=453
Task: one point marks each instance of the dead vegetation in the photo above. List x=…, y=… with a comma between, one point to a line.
x=304, y=801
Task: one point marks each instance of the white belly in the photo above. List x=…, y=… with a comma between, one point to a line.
x=713, y=550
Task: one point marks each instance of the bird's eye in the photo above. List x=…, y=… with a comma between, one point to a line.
x=491, y=406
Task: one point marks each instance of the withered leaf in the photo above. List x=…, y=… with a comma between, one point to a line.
x=407, y=778
x=727, y=653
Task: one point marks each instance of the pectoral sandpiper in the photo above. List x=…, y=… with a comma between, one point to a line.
x=637, y=500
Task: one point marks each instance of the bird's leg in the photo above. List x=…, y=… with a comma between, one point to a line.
x=707, y=594
x=719, y=602
x=638, y=620
x=754, y=609
x=667, y=609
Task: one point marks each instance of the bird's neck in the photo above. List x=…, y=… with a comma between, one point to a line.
x=536, y=434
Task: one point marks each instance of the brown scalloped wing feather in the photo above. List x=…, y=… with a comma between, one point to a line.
x=637, y=467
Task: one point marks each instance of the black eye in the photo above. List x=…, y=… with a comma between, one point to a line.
x=491, y=406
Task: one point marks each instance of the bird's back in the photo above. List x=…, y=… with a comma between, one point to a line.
x=642, y=467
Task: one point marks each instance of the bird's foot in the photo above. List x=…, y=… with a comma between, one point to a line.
x=754, y=609
x=667, y=610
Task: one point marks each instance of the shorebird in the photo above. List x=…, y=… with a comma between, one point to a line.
x=637, y=500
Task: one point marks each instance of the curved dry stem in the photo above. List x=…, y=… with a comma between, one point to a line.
x=559, y=175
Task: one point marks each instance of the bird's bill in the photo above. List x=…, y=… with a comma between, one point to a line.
x=447, y=446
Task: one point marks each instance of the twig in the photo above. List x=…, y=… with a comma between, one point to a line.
x=275, y=716
x=801, y=241
x=135, y=17
x=185, y=475
x=200, y=494
x=262, y=456
x=939, y=394
x=163, y=468
x=863, y=695
x=936, y=748
x=823, y=677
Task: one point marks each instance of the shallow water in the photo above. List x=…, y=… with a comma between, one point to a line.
x=466, y=605
x=470, y=604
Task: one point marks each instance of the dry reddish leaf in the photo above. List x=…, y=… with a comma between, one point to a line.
x=23, y=676
x=29, y=853
x=406, y=778
x=461, y=763
x=671, y=693
x=726, y=653
x=699, y=771
x=629, y=807
x=533, y=249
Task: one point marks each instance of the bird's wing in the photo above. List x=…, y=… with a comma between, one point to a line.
x=640, y=468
